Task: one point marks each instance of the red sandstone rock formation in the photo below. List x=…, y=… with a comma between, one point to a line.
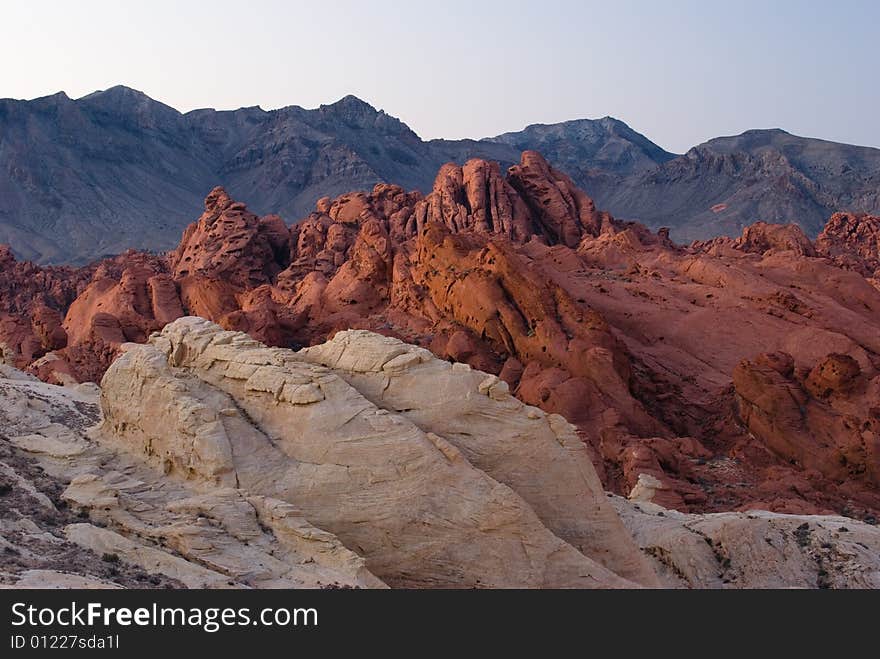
x=563, y=211
x=728, y=374
x=476, y=197
x=232, y=244
x=853, y=241
x=32, y=300
x=764, y=239
x=824, y=420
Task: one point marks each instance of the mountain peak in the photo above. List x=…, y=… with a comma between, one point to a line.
x=130, y=107
x=120, y=99
x=356, y=113
x=351, y=103
x=52, y=99
x=766, y=131
x=116, y=91
x=61, y=96
x=607, y=142
x=750, y=139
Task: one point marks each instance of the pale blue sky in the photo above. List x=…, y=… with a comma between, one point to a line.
x=679, y=71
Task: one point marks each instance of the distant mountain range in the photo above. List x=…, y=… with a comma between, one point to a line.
x=727, y=183
x=85, y=178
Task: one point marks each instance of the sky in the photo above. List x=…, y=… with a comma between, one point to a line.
x=678, y=71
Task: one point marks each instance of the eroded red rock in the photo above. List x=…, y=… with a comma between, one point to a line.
x=729, y=374
x=824, y=420
x=853, y=241
x=231, y=243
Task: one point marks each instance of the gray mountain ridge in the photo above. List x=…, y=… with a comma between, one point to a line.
x=82, y=179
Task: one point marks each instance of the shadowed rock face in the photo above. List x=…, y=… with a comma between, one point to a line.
x=652, y=350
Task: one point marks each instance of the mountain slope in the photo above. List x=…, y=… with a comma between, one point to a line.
x=81, y=179
x=725, y=184
x=85, y=178
x=90, y=177
x=583, y=145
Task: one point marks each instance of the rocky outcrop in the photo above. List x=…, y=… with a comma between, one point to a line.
x=853, y=241
x=405, y=498
x=225, y=263
x=824, y=420
x=510, y=441
x=117, y=306
x=32, y=302
x=562, y=210
x=222, y=463
x=763, y=238
x=754, y=549
x=476, y=197
x=231, y=244
x=84, y=513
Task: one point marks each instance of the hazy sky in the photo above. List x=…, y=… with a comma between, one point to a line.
x=679, y=71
